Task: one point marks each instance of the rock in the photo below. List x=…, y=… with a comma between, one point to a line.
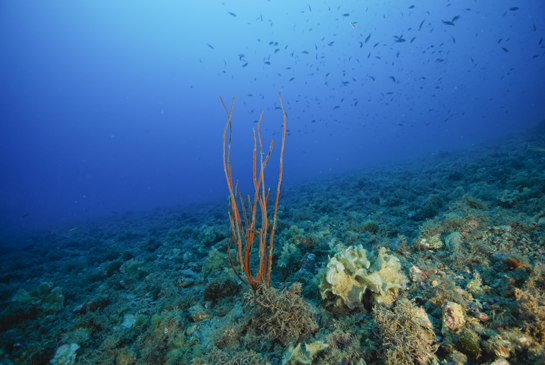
x=453, y=318
x=469, y=343
x=65, y=355
x=297, y=356
x=417, y=275
x=500, y=362
x=221, y=289
x=198, y=313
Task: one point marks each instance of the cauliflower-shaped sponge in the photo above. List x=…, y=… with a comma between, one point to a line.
x=354, y=272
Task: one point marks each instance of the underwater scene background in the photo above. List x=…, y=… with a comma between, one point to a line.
x=409, y=150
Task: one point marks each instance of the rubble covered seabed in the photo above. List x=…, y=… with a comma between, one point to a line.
x=467, y=228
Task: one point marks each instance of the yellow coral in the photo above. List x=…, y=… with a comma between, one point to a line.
x=350, y=274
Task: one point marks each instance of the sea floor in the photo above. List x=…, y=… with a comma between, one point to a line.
x=437, y=260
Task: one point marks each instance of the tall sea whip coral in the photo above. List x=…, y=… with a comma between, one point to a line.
x=247, y=232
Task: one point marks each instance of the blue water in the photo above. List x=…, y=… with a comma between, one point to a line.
x=112, y=106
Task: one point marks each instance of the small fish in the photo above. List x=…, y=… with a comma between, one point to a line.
x=305, y=52
x=346, y=14
x=336, y=107
x=455, y=18
x=372, y=78
x=439, y=60
x=74, y=228
x=309, y=9
x=514, y=9
x=376, y=44
x=246, y=64
x=505, y=49
x=540, y=41
x=412, y=40
x=448, y=23
x=327, y=74
x=293, y=78
x=240, y=56
x=453, y=39
x=421, y=24
x=26, y=215
x=267, y=63
x=393, y=78
x=411, y=7
x=368, y=37
x=232, y=14
x=330, y=43
x=512, y=264
x=353, y=24
x=209, y=46
x=500, y=40
x=276, y=50
x=345, y=83
x=397, y=55
x=361, y=44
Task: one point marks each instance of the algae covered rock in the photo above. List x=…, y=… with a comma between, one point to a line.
x=354, y=275
x=290, y=255
x=469, y=343
x=453, y=318
x=54, y=302
x=65, y=355
x=221, y=288
x=214, y=261
x=210, y=235
x=298, y=355
x=130, y=267
x=432, y=242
